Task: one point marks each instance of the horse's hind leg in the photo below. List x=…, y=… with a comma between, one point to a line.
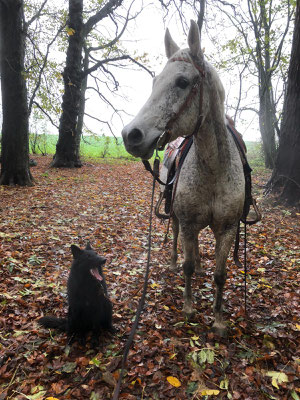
x=175, y=229
x=224, y=240
x=188, y=243
x=198, y=268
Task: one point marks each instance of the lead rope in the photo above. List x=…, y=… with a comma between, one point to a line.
x=237, y=261
x=142, y=299
x=245, y=267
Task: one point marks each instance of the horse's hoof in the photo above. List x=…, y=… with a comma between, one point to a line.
x=220, y=330
x=189, y=311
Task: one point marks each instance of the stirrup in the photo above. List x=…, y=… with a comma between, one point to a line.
x=157, y=207
x=258, y=215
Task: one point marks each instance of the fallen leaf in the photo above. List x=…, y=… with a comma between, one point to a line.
x=210, y=392
x=174, y=381
x=277, y=378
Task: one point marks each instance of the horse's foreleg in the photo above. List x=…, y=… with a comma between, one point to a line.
x=175, y=229
x=224, y=240
x=188, y=268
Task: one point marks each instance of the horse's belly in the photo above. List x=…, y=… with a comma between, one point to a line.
x=194, y=208
x=208, y=204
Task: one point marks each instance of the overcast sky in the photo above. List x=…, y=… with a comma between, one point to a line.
x=146, y=34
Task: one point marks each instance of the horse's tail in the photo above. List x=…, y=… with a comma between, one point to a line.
x=53, y=323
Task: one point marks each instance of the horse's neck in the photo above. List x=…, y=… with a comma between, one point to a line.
x=212, y=146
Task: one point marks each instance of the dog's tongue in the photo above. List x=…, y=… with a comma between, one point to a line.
x=96, y=274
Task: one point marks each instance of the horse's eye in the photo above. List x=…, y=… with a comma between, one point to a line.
x=182, y=82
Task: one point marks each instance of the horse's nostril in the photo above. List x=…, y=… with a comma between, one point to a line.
x=135, y=136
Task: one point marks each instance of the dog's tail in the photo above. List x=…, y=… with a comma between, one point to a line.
x=53, y=323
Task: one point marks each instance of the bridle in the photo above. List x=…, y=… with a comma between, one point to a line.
x=165, y=136
x=197, y=86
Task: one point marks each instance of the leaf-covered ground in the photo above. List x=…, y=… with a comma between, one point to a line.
x=171, y=358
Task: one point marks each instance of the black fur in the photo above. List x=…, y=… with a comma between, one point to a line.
x=90, y=309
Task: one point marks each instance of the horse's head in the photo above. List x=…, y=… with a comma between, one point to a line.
x=176, y=100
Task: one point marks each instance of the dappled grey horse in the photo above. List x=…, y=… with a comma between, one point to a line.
x=188, y=98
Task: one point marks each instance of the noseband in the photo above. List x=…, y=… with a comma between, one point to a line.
x=198, y=85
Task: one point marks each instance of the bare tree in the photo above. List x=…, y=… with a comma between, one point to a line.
x=285, y=180
x=83, y=60
x=262, y=28
x=24, y=62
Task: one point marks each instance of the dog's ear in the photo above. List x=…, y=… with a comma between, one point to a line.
x=103, y=260
x=76, y=251
x=88, y=245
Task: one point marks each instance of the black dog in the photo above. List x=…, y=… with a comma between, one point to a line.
x=90, y=309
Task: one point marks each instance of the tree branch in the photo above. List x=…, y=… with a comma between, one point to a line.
x=113, y=59
x=100, y=15
x=201, y=16
x=115, y=40
x=36, y=16
x=47, y=115
x=41, y=70
x=103, y=122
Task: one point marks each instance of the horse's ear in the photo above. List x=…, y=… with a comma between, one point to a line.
x=194, y=40
x=170, y=45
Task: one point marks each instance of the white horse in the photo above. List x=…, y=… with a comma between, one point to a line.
x=188, y=98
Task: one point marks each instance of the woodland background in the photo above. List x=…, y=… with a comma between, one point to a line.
x=53, y=55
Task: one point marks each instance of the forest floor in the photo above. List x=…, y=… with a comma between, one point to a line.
x=171, y=358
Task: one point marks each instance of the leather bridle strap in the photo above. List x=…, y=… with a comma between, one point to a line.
x=201, y=70
x=198, y=84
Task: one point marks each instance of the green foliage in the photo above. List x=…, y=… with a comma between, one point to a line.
x=44, y=57
x=255, y=155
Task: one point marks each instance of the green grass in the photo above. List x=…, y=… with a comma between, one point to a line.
x=255, y=155
x=97, y=147
x=104, y=147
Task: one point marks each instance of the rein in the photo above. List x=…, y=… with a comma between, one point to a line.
x=141, y=302
x=164, y=138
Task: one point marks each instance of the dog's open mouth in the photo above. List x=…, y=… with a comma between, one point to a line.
x=96, y=274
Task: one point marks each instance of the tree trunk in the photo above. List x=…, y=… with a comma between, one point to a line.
x=15, y=138
x=68, y=145
x=267, y=115
x=82, y=96
x=267, y=122
x=286, y=175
